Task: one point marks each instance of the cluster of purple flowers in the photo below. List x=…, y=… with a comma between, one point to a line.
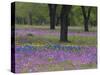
x=42, y=32
x=41, y=55
x=51, y=47
x=29, y=55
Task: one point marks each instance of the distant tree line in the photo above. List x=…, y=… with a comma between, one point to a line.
x=29, y=21
x=38, y=14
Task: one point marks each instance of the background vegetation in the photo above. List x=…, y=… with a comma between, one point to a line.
x=39, y=14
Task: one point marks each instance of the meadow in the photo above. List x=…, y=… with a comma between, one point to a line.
x=38, y=49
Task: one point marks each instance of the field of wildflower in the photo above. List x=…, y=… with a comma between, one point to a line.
x=38, y=49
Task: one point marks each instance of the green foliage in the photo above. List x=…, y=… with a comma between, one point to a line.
x=40, y=14
x=39, y=11
x=76, y=16
x=93, y=19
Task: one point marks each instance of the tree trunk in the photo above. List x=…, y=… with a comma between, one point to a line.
x=86, y=28
x=30, y=18
x=52, y=14
x=86, y=16
x=64, y=18
x=57, y=20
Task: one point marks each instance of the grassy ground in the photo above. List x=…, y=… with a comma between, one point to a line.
x=71, y=28
x=74, y=40
x=36, y=38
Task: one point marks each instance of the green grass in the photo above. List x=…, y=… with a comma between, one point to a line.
x=46, y=39
x=46, y=27
x=88, y=66
x=74, y=40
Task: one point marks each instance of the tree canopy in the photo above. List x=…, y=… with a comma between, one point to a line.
x=40, y=14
